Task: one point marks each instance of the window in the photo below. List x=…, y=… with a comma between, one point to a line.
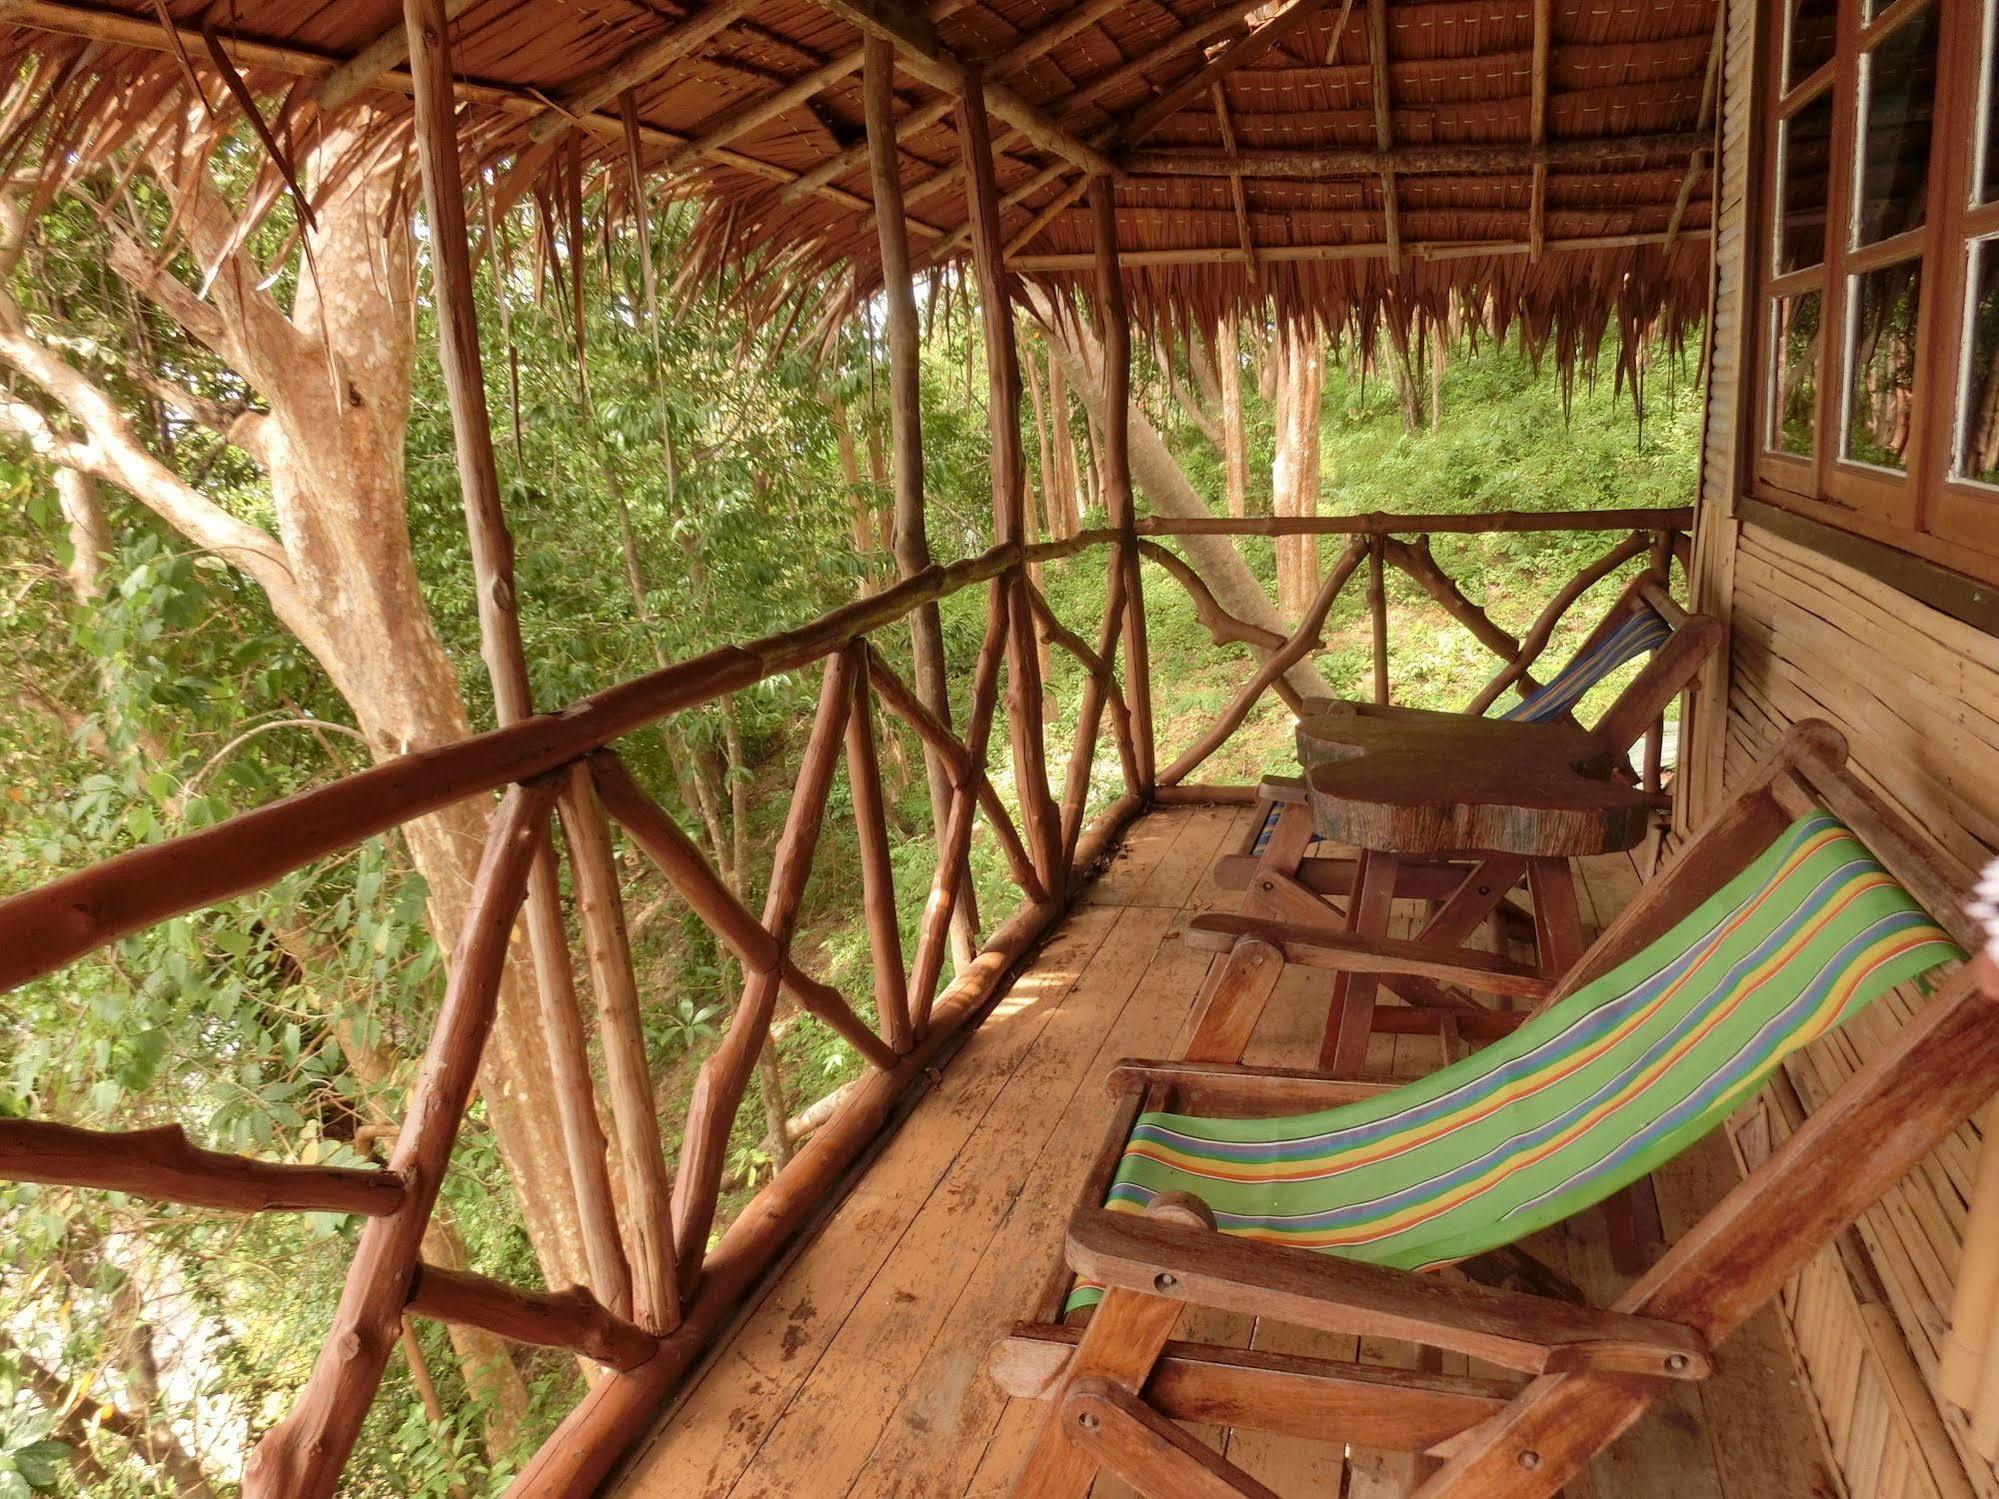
x=1878, y=274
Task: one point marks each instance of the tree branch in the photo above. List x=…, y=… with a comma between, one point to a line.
x=110, y=451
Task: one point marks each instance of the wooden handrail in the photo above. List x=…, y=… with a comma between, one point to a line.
x=1380, y=523
x=161, y=1163
x=43, y=929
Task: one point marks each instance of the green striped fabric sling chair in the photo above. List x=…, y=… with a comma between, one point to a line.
x=1320, y=1202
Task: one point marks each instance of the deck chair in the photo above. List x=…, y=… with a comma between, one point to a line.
x=1319, y=1202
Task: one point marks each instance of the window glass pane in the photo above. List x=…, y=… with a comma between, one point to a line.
x=1977, y=455
x=1795, y=372
x=1881, y=359
x=1898, y=83
x=1806, y=164
x=1813, y=25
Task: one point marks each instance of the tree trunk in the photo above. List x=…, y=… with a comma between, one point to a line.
x=335, y=372
x=1165, y=487
x=1299, y=354
x=1235, y=440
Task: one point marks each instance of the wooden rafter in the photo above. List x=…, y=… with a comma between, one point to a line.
x=1596, y=153
x=1236, y=193
x=1084, y=97
x=365, y=68
x=1537, y=125
x=927, y=59
x=1034, y=45
x=300, y=62
x=1384, y=127
x=1365, y=250
x=1702, y=154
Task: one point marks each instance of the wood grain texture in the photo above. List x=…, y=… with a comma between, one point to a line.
x=1422, y=782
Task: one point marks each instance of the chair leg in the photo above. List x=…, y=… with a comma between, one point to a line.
x=1126, y=1334
x=1232, y=1001
x=1558, y=922
x=1152, y=1454
x=1350, y=1017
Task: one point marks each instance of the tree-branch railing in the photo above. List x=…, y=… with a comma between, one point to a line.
x=649, y=1276
x=658, y=1290
x=1402, y=543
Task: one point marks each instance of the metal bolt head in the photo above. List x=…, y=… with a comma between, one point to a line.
x=1165, y=1280
x=1087, y=1420
x=1676, y=1363
x=1530, y=1460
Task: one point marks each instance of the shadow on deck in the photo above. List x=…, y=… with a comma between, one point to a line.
x=859, y=1372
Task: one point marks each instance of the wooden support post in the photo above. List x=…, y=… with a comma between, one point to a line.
x=718, y=1092
x=911, y=543
x=1377, y=611
x=877, y=867
x=160, y=1163
x=1384, y=127
x=620, y=1031
x=1009, y=476
x=1118, y=506
x=1537, y=127
x=492, y=548
x=301, y=1457
x=572, y=1319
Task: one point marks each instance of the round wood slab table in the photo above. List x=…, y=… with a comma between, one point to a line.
x=1514, y=798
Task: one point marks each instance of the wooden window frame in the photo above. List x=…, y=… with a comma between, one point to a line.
x=1921, y=509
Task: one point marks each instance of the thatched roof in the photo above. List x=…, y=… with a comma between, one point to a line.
x=1538, y=158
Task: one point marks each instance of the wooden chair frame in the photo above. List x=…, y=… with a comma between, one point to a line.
x=1117, y=1387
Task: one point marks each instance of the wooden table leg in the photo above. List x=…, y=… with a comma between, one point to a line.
x=1558, y=922
x=1350, y=1017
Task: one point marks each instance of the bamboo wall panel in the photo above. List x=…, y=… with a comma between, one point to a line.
x=1917, y=694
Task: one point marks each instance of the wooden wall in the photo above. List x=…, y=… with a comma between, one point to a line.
x=1917, y=694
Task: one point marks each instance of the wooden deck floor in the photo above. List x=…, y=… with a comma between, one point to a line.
x=860, y=1371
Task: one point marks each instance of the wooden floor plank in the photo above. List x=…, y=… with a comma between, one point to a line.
x=861, y=1373
x=718, y=1429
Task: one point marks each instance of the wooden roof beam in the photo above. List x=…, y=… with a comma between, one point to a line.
x=1243, y=50
x=925, y=58
x=1593, y=154
x=1537, y=124
x=1029, y=48
x=365, y=68
x=1384, y=130
x=1371, y=250
x=1085, y=95
x=642, y=64
x=1697, y=163
x=1236, y=193
x=299, y=62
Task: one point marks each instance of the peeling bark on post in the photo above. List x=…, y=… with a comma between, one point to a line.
x=1118, y=505
x=499, y=623
x=905, y=359
x=1024, y=698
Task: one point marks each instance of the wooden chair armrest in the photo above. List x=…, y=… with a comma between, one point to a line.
x=1230, y=1091
x=1317, y=947
x=1533, y=1334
